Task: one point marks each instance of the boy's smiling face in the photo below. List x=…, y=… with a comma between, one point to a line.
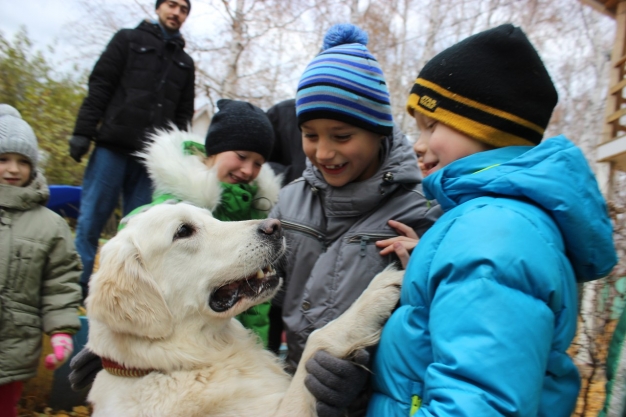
x=236, y=167
x=15, y=169
x=343, y=153
x=443, y=145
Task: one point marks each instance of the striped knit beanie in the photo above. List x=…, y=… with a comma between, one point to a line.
x=344, y=82
x=16, y=136
x=491, y=86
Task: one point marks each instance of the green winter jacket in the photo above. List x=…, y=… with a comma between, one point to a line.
x=39, y=273
x=182, y=176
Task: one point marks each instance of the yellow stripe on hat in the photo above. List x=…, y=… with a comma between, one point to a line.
x=479, y=131
x=411, y=103
x=482, y=107
x=482, y=132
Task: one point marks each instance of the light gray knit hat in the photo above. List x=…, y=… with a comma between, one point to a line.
x=16, y=136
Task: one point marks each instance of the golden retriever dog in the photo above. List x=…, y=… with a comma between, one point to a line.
x=161, y=311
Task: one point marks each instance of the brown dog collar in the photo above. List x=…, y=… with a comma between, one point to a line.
x=117, y=369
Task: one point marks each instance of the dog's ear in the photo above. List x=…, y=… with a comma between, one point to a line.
x=123, y=295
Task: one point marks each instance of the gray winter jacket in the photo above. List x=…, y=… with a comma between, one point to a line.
x=331, y=234
x=39, y=271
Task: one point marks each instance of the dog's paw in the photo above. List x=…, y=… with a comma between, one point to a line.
x=361, y=324
x=389, y=277
x=383, y=292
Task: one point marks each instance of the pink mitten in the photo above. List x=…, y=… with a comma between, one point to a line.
x=62, y=346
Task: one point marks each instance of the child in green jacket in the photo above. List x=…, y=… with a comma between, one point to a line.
x=227, y=175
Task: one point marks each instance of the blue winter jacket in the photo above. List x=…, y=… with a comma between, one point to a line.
x=489, y=301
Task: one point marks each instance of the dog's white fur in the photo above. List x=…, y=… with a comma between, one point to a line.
x=148, y=309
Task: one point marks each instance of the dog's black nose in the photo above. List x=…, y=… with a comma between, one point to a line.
x=271, y=228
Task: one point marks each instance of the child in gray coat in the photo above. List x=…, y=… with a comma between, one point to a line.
x=40, y=268
x=361, y=172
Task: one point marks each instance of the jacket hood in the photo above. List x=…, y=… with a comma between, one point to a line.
x=554, y=176
x=174, y=171
x=398, y=168
x=25, y=198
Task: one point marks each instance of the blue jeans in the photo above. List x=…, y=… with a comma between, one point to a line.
x=108, y=174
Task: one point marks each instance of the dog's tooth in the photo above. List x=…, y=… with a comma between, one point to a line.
x=260, y=274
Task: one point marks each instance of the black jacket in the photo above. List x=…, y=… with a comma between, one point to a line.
x=140, y=82
x=287, y=156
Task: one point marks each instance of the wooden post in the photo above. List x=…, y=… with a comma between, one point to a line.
x=615, y=97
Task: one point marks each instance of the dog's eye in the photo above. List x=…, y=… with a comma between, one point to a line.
x=184, y=230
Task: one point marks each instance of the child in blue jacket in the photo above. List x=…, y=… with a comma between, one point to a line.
x=488, y=305
x=489, y=302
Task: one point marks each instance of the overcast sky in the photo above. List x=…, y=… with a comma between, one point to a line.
x=48, y=22
x=45, y=20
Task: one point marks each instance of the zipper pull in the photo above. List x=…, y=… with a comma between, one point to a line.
x=364, y=240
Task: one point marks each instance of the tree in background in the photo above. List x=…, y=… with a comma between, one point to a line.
x=256, y=50
x=48, y=101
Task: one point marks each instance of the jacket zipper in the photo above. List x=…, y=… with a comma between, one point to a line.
x=364, y=240
x=307, y=231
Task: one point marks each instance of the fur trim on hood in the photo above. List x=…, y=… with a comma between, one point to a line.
x=186, y=177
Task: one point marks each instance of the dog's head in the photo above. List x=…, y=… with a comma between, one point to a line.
x=175, y=260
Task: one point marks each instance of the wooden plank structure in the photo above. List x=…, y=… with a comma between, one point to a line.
x=612, y=147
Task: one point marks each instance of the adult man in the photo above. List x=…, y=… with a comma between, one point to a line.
x=143, y=80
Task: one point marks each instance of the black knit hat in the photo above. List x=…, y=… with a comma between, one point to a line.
x=239, y=126
x=491, y=86
x=158, y=3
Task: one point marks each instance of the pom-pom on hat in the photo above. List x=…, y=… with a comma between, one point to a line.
x=239, y=126
x=16, y=136
x=344, y=82
x=492, y=86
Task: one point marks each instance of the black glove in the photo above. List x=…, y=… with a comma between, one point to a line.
x=335, y=383
x=85, y=365
x=79, y=146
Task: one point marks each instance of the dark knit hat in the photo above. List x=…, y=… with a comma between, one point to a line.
x=344, y=82
x=239, y=126
x=491, y=86
x=158, y=3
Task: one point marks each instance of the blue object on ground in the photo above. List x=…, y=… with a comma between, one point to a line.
x=62, y=397
x=64, y=200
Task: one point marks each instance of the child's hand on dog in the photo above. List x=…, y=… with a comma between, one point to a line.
x=402, y=245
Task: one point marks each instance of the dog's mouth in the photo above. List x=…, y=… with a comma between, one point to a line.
x=226, y=296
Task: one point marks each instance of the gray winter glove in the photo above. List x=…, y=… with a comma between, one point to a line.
x=336, y=383
x=85, y=365
x=79, y=146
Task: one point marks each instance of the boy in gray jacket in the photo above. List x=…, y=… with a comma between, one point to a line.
x=361, y=172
